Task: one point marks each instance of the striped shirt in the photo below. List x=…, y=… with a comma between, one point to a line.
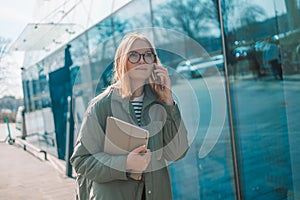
x=137, y=104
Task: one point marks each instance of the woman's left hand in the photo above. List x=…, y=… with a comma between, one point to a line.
x=164, y=81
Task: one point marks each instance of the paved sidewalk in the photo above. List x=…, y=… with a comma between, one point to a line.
x=24, y=176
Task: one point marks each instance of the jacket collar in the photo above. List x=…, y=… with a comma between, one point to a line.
x=149, y=97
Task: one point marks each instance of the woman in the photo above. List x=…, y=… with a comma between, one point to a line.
x=142, y=96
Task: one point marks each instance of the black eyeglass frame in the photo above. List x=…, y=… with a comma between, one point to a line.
x=140, y=56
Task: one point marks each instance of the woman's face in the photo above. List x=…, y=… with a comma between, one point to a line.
x=140, y=61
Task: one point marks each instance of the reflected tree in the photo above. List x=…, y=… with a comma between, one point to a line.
x=242, y=15
x=106, y=32
x=251, y=15
x=193, y=17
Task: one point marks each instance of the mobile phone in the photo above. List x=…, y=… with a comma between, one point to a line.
x=158, y=78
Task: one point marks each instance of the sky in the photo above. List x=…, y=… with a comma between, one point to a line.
x=14, y=15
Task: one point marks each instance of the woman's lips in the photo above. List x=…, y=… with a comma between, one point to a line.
x=141, y=68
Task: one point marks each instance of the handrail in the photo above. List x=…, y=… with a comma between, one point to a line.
x=27, y=146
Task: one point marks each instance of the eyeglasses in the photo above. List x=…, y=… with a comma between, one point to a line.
x=135, y=57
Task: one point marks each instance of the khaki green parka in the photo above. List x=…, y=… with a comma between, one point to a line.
x=103, y=176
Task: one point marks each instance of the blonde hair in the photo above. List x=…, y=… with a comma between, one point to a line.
x=121, y=80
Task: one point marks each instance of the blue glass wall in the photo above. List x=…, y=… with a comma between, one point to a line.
x=261, y=113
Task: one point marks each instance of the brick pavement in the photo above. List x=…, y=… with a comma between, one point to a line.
x=24, y=176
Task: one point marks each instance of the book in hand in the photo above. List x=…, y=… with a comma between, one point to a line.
x=122, y=137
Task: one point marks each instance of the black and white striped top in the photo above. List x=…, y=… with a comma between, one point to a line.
x=137, y=104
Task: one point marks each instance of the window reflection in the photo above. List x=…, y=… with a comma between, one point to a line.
x=261, y=64
x=206, y=171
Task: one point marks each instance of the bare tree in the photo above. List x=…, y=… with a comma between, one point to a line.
x=3, y=46
x=249, y=13
x=8, y=65
x=4, y=43
x=194, y=17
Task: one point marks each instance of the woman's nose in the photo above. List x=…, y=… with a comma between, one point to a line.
x=142, y=60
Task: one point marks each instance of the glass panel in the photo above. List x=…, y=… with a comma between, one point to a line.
x=189, y=45
x=80, y=70
x=38, y=116
x=102, y=50
x=132, y=17
x=264, y=74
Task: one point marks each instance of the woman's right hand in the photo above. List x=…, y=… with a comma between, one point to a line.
x=138, y=159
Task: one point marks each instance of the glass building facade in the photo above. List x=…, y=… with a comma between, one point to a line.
x=235, y=72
